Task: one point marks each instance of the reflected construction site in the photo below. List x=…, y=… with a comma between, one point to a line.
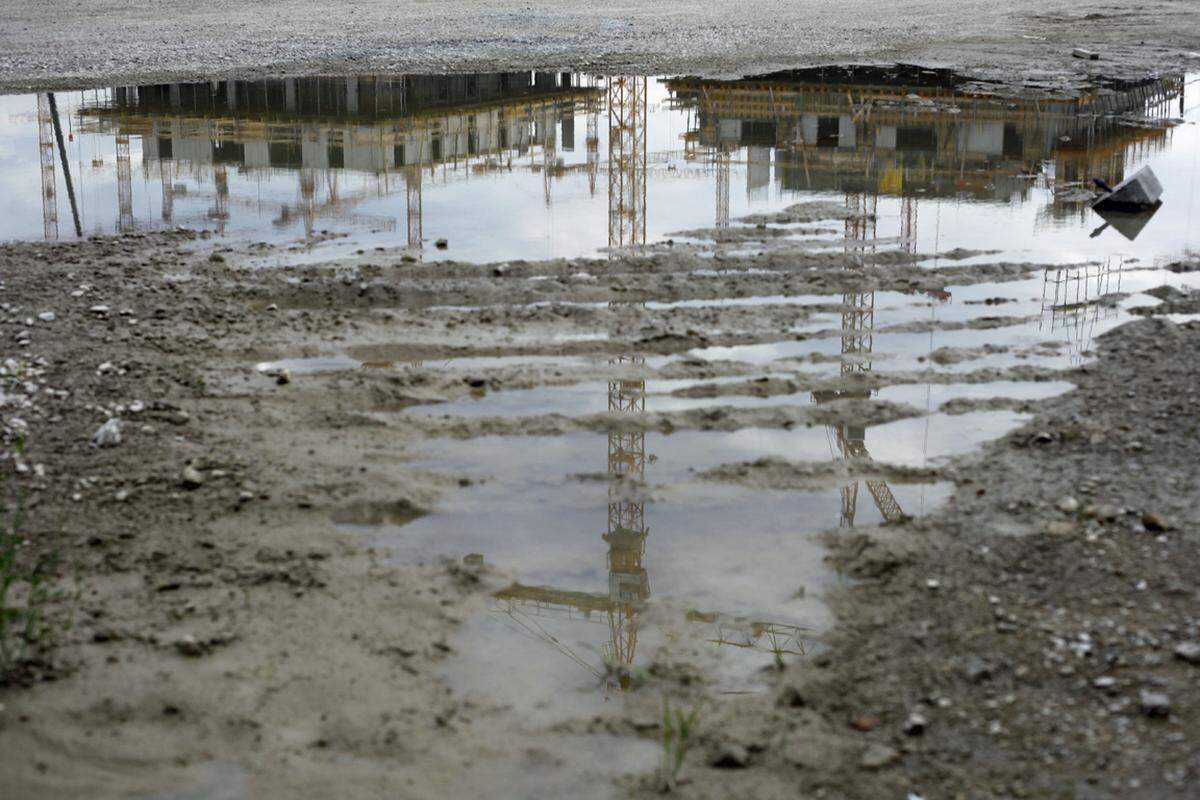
x=307, y=155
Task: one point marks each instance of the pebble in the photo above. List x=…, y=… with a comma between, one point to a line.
x=730, y=756
x=791, y=697
x=878, y=756
x=1059, y=527
x=108, y=434
x=99, y=309
x=916, y=724
x=188, y=646
x=976, y=669
x=1155, y=523
x=283, y=377
x=192, y=477
x=865, y=723
x=1068, y=505
x=122, y=495
x=1188, y=651
x=47, y=316
x=1154, y=704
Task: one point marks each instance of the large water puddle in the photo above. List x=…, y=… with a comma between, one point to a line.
x=497, y=166
x=631, y=553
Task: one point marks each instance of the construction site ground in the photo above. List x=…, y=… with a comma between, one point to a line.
x=219, y=625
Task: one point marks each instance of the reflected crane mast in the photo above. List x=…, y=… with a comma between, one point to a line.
x=628, y=581
x=626, y=161
x=46, y=159
x=124, y=185
x=412, y=191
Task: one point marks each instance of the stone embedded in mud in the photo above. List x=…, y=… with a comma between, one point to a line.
x=791, y=697
x=865, y=723
x=1068, y=505
x=188, y=646
x=1155, y=523
x=1154, y=704
x=916, y=724
x=1189, y=652
x=1059, y=528
x=976, y=669
x=192, y=478
x=730, y=756
x=878, y=756
x=108, y=434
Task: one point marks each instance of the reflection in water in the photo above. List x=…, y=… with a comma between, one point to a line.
x=1072, y=302
x=387, y=158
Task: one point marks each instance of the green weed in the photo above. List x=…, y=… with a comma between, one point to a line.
x=676, y=741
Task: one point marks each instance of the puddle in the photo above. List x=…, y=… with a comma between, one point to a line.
x=625, y=560
x=565, y=164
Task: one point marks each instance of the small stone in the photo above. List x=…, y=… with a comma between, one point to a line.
x=273, y=307
x=283, y=377
x=932, y=584
x=121, y=496
x=1105, y=682
x=47, y=316
x=1188, y=651
x=1154, y=704
x=188, y=646
x=108, y=434
x=791, y=697
x=1068, y=505
x=192, y=477
x=878, y=756
x=441, y=244
x=865, y=723
x=1155, y=523
x=1104, y=513
x=730, y=756
x=101, y=310
x=1059, y=527
x=916, y=724
x=976, y=669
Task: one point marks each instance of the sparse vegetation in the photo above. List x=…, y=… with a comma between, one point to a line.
x=677, y=731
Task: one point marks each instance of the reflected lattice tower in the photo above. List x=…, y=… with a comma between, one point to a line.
x=626, y=161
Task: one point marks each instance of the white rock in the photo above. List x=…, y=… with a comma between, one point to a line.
x=47, y=316
x=1068, y=505
x=108, y=435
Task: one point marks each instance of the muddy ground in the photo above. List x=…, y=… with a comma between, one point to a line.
x=1022, y=41
x=213, y=633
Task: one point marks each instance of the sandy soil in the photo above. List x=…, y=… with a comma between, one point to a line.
x=106, y=43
